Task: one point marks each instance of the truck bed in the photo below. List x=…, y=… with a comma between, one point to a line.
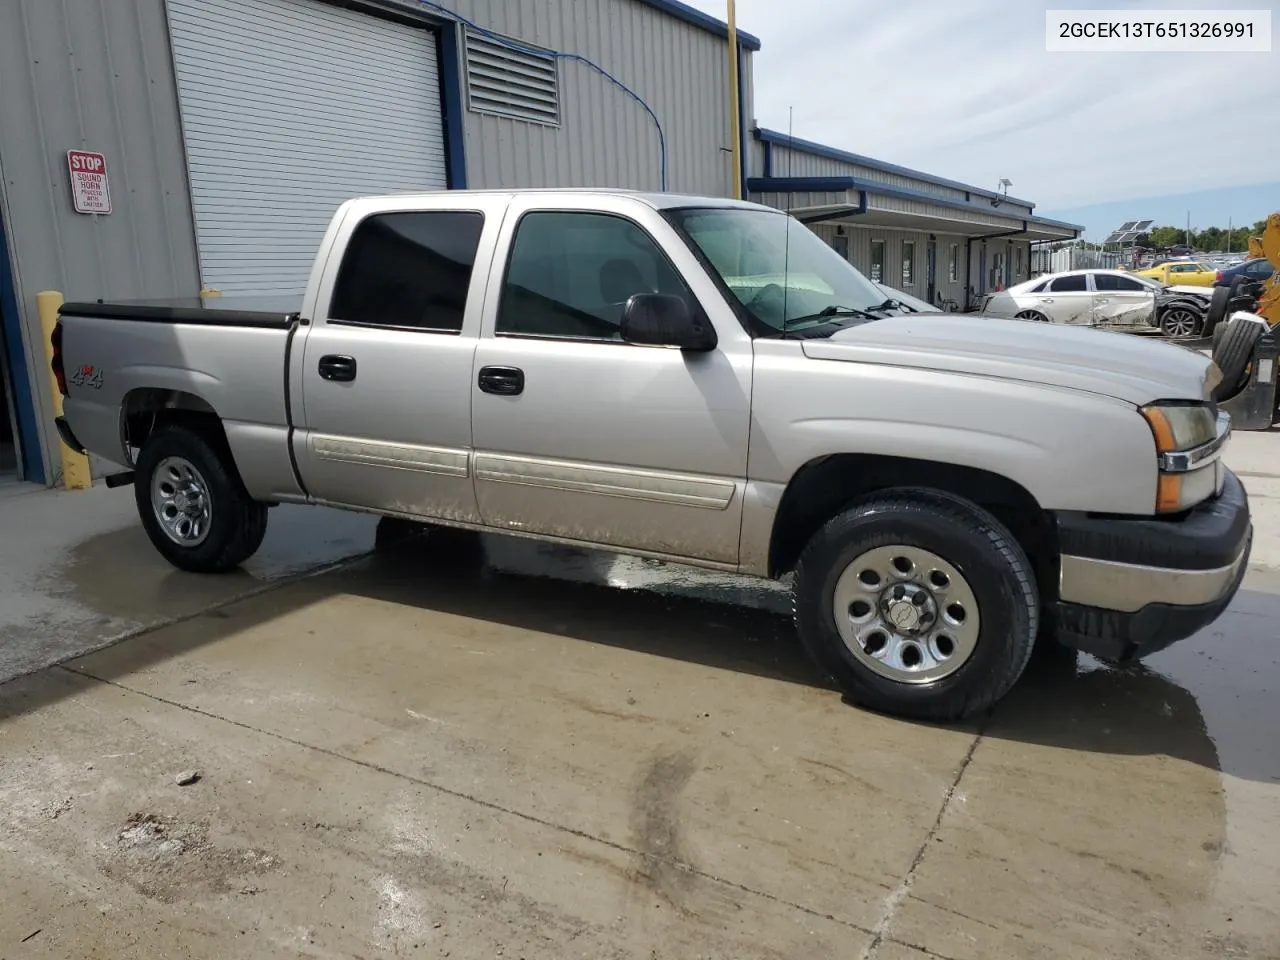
x=225, y=356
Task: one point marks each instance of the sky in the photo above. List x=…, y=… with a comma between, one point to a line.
x=966, y=90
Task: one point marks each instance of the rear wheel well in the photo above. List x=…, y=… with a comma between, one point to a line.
x=149, y=409
x=823, y=487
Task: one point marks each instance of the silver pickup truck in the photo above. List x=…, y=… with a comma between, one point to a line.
x=699, y=380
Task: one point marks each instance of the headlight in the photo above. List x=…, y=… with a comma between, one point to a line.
x=1187, y=443
x=1180, y=427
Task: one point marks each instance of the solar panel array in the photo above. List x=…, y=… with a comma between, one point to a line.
x=1129, y=231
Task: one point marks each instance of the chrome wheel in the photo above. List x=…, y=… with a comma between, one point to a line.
x=1179, y=324
x=906, y=614
x=180, y=499
x=1032, y=315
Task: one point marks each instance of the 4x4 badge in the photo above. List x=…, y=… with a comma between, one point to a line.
x=87, y=376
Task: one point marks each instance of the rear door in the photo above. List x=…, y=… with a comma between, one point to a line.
x=1067, y=299
x=581, y=436
x=1121, y=302
x=385, y=374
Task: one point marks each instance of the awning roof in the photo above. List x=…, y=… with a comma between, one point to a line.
x=852, y=200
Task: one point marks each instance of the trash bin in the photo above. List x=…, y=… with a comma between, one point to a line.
x=1254, y=407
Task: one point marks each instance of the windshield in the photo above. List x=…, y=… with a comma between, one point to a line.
x=783, y=275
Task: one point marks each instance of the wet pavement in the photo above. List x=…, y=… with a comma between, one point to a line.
x=563, y=753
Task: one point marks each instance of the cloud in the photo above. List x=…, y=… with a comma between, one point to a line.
x=966, y=90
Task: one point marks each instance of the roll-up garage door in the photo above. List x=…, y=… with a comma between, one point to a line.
x=290, y=107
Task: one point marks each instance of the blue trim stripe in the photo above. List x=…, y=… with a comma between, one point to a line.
x=451, y=93
x=19, y=378
x=831, y=153
x=682, y=11
x=835, y=184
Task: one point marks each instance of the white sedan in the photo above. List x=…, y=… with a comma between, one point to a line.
x=1091, y=298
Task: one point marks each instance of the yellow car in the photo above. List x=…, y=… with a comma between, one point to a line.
x=1182, y=273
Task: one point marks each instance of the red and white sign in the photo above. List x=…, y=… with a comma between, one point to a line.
x=90, y=192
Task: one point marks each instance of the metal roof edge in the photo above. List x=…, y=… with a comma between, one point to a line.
x=831, y=184
x=834, y=153
x=691, y=15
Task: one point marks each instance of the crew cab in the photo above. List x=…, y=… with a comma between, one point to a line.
x=699, y=380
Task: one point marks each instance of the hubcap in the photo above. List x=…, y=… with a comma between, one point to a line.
x=906, y=613
x=180, y=499
x=1179, y=323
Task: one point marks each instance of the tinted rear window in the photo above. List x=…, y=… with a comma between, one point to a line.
x=1070, y=284
x=409, y=270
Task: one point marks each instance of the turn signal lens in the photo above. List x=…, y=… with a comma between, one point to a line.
x=1169, y=493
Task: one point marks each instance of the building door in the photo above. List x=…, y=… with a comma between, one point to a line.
x=290, y=107
x=931, y=270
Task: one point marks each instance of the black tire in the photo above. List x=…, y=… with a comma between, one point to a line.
x=237, y=523
x=1035, y=316
x=1233, y=353
x=1217, y=307
x=973, y=542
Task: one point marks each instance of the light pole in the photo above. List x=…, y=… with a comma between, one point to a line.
x=735, y=105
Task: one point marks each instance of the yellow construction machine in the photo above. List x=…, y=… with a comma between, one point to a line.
x=1268, y=245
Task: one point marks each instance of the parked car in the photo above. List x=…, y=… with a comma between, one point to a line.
x=1255, y=270
x=1182, y=273
x=1089, y=298
x=1180, y=312
x=698, y=380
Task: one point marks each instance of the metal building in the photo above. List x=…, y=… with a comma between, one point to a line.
x=206, y=143
x=232, y=129
x=936, y=239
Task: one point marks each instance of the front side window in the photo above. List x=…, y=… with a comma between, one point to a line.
x=1071, y=283
x=908, y=263
x=780, y=272
x=570, y=274
x=408, y=270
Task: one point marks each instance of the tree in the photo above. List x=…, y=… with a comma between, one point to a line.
x=1143, y=239
x=1164, y=237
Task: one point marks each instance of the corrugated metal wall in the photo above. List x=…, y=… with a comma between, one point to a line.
x=76, y=74
x=797, y=163
x=605, y=138
x=98, y=75
x=860, y=239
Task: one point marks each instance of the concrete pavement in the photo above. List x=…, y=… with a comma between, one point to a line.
x=574, y=754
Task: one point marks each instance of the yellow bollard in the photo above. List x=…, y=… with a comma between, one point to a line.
x=75, y=466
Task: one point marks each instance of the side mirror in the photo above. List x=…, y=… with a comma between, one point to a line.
x=659, y=319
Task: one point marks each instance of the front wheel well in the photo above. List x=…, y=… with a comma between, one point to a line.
x=823, y=487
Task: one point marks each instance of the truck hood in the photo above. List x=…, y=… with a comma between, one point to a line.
x=1111, y=364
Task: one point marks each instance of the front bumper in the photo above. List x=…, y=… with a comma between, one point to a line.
x=1130, y=587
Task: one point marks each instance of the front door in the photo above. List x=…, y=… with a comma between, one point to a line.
x=581, y=436
x=386, y=369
